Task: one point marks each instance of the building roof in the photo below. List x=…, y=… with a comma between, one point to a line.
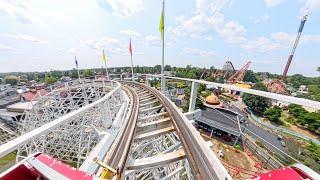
x=20, y=107
x=6, y=113
x=7, y=100
x=213, y=100
x=32, y=95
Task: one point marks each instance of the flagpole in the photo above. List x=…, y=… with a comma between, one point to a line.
x=130, y=49
x=108, y=78
x=162, y=64
x=132, y=68
x=77, y=65
x=79, y=75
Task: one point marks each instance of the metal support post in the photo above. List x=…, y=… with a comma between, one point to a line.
x=193, y=96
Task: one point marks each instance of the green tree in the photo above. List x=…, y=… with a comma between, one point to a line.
x=250, y=77
x=167, y=68
x=257, y=104
x=305, y=118
x=157, y=68
x=88, y=73
x=13, y=80
x=73, y=73
x=273, y=114
x=49, y=79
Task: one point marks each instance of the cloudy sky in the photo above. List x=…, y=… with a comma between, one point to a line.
x=40, y=35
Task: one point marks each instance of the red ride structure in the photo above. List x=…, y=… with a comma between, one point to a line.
x=239, y=75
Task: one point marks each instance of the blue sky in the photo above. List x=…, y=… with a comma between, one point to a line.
x=41, y=35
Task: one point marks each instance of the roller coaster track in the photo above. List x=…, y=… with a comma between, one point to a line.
x=158, y=142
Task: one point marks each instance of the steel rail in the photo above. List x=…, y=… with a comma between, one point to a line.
x=118, y=153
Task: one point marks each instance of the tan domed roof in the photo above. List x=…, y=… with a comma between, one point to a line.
x=212, y=99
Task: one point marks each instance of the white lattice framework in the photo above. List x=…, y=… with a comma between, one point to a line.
x=73, y=140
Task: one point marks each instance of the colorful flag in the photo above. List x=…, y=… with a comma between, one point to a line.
x=161, y=25
x=130, y=48
x=104, y=58
x=75, y=60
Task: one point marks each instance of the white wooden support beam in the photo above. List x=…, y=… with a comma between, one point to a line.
x=193, y=96
x=148, y=103
x=151, y=124
x=154, y=133
x=151, y=109
x=155, y=161
x=147, y=99
x=160, y=160
x=153, y=116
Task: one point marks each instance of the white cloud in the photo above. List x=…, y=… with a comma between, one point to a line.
x=262, y=44
x=232, y=32
x=19, y=11
x=285, y=38
x=277, y=41
x=123, y=8
x=72, y=51
x=23, y=37
x=152, y=40
x=199, y=52
x=309, y=7
x=264, y=18
x=207, y=23
x=129, y=32
x=211, y=6
x=6, y=48
x=282, y=37
x=273, y=3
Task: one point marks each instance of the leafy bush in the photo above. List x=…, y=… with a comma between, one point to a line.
x=255, y=103
x=274, y=114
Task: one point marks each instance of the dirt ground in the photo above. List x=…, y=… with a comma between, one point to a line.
x=241, y=164
x=304, y=131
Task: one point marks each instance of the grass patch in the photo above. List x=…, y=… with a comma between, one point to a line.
x=8, y=158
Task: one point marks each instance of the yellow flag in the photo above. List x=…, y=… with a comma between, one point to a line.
x=104, y=58
x=161, y=25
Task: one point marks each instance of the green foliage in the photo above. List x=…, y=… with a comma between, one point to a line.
x=155, y=83
x=73, y=73
x=250, y=77
x=181, y=84
x=314, y=91
x=189, y=72
x=305, y=118
x=260, y=144
x=273, y=114
x=88, y=73
x=7, y=159
x=0, y=80
x=315, y=150
x=206, y=93
x=167, y=68
x=13, y=80
x=298, y=79
x=257, y=104
x=50, y=79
